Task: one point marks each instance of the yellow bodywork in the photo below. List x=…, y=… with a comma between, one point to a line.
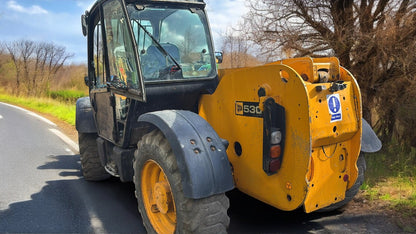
x=319, y=158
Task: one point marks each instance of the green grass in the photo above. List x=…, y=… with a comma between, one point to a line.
x=63, y=111
x=69, y=96
x=394, y=160
x=398, y=194
x=390, y=178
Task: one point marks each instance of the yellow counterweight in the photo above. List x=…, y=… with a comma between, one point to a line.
x=322, y=137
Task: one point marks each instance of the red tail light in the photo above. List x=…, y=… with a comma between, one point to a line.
x=274, y=165
x=274, y=129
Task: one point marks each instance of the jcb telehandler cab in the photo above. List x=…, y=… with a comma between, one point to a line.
x=288, y=133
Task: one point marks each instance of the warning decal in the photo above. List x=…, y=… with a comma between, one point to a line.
x=334, y=107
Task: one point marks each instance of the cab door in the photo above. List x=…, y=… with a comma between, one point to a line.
x=113, y=66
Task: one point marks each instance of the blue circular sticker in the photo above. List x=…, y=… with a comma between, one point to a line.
x=334, y=104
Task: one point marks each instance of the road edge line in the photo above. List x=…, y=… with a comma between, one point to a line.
x=31, y=113
x=66, y=139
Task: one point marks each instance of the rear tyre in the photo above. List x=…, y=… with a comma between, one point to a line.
x=92, y=169
x=159, y=192
x=350, y=193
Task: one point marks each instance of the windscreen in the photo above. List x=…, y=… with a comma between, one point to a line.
x=173, y=44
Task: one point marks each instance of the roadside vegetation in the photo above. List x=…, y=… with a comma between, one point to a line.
x=390, y=183
x=35, y=75
x=62, y=110
x=66, y=96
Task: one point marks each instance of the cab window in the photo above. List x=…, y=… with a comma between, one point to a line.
x=185, y=28
x=99, y=68
x=173, y=44
x=121, y=57
x=143, y=41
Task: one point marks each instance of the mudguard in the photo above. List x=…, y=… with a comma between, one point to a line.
x=84, y=118
x=369, y=140
x=200, y=153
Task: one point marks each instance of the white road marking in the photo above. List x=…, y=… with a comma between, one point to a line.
x=42, y=118
x=69, y=151
x=66, y=139
x=31, y=113
x=58, y=133
x=96, y=223
x=16, y=107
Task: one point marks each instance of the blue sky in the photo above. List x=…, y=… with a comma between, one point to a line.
x=58, y=21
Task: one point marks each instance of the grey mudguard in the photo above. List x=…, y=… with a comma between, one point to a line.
x=84, y=117
x=369, y=140
x=199, y=151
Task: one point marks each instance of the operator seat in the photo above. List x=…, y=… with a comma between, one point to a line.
x=154, y=60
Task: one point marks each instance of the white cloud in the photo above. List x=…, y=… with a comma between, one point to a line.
x=223, y=14
x=85, y=4
x=33, y=10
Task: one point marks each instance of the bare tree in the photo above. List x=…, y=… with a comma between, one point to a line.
x=26, y=48
x=238, y=49
x=36, y=63
x=39, y=64
x=235, y=47
x=55, y=58
x=13, y=50
x=375, y=39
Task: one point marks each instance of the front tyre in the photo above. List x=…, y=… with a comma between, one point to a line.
x=92, y=169
x=159, y=192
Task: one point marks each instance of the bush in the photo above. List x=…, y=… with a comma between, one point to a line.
x=70, y=96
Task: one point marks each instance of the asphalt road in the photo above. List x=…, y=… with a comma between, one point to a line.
x=42, y=191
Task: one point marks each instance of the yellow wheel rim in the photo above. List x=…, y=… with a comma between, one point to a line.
x=157, y=198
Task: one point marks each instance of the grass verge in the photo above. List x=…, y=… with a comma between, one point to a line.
x=390, y=179
x=62, y=111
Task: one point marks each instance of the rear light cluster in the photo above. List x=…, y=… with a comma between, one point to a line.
x=273, y=136
x=275, y=150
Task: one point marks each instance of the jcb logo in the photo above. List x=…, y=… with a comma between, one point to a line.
x=239, y=108
x=248, y=109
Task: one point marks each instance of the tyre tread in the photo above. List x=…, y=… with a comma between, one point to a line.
x=92, y=169
x=206, y=215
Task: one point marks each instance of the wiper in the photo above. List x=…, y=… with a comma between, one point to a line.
x=159, y=46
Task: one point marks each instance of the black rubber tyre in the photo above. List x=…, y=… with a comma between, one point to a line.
x=92, y=169
x=206, y=215
x=350, y=193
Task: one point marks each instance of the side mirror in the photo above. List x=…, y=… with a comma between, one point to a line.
x=84, y=24
x=87, y=81
x=219, y=57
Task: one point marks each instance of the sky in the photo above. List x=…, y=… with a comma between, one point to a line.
x=59, y=21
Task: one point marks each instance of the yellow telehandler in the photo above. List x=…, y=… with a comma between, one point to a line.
x=160, y=114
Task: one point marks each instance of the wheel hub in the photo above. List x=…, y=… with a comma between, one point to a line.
x=163, y=197
x=158, y=198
